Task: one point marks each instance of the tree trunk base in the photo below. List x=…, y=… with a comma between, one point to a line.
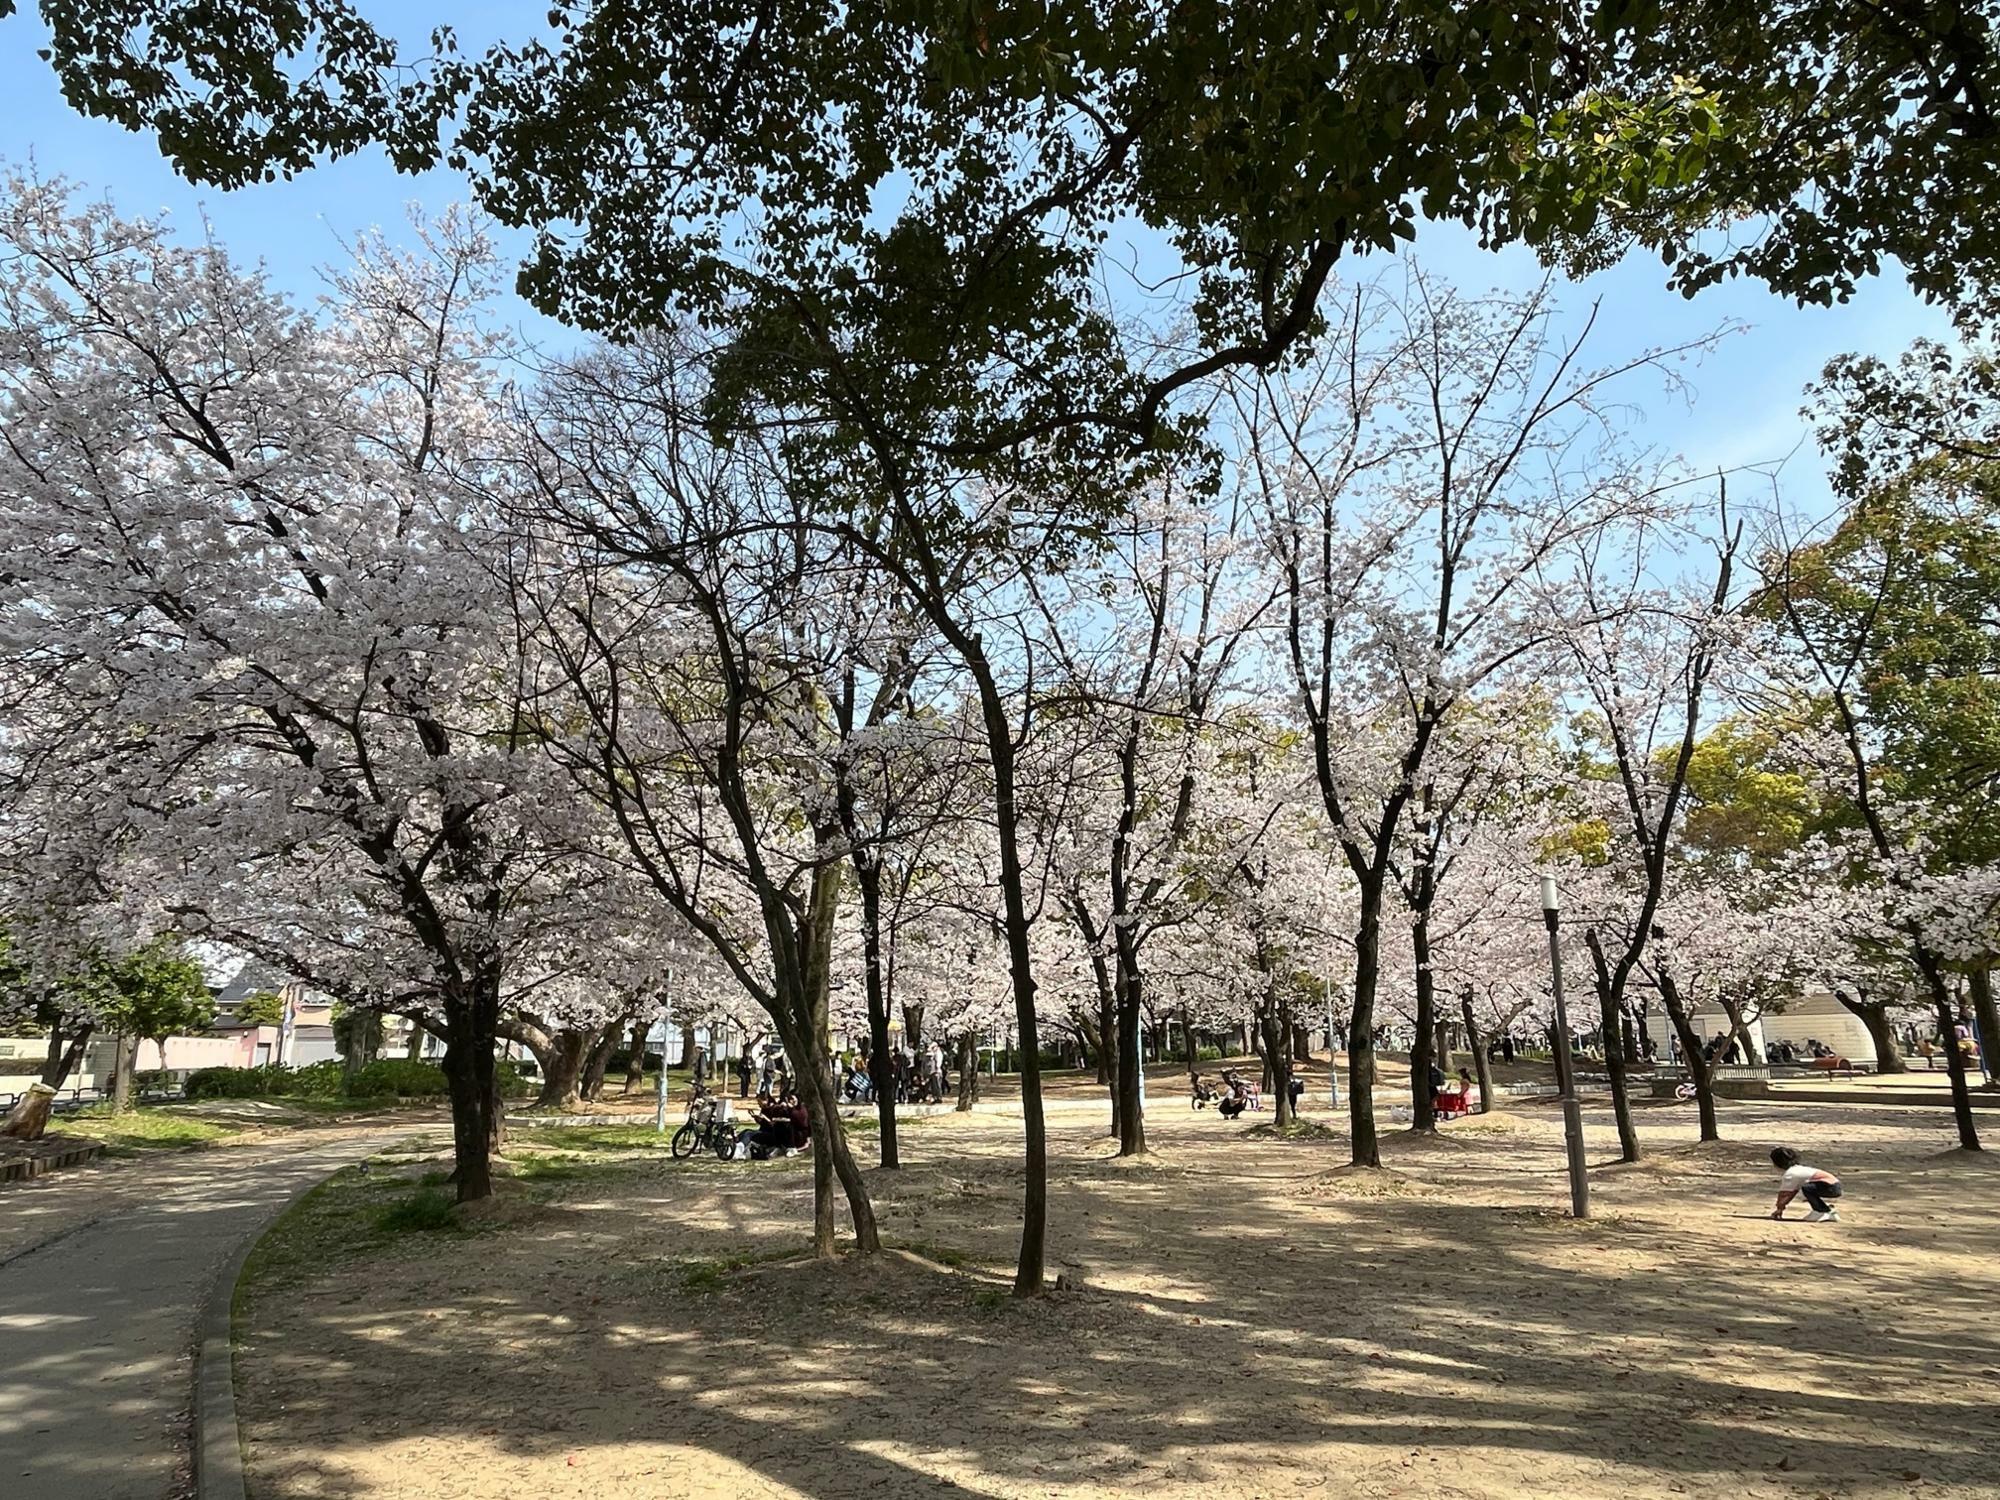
x=30, y=1115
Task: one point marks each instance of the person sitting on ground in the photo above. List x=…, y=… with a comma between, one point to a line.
x=794, y=1110
x=1799, y=1180
x=782, y=1126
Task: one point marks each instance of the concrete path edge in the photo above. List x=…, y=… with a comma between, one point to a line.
x=218, y=1441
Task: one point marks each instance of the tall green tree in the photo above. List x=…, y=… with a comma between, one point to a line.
x=149, y=993
x=1891, y=616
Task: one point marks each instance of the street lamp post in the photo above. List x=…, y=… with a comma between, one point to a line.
x=666, y=1018
x=1332, y=1053
x=1579, y=1181
x=1142, y=1068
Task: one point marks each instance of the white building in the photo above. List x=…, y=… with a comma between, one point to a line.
x=1812, y=1017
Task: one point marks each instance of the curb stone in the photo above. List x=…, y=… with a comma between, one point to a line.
x=218, y=1441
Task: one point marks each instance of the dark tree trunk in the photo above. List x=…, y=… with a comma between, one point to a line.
x=1874, y=1014
x=802, y=1027
x=1739, y=1027
x=1980, y=982
x=562, y=1058
x=1697, y=1061
x=66, y=1049
x=823, y=1182
x=1301, y=1043
x=868, y=875
x=1131, y=1110
x=1274, y=1031
x=1190, y=1048
x=1107, y=1021
x=635, y=1061
x=471, y=1022
x=1423, y=1103
x=1961, y=1094
x=968, y=1072
x=123, y=1062
x=1032, y=1261
x=1609, y=1004
x=913, y=1028
x=358, y=1035
x=1482, y=1066
x=1090, y=1042
x=600, y=1060
x=1366, y=1151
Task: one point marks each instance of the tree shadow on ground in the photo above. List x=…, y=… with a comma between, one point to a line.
x=1233, y=1314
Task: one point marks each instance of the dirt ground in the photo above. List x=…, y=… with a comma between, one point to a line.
x=1237, y=1315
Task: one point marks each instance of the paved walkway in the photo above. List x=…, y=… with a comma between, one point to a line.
x=97, y=1321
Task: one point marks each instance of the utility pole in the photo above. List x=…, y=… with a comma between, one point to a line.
x=666, y=1019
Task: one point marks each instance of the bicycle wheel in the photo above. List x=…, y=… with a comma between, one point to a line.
x=724, y=1142
x=684, y=1143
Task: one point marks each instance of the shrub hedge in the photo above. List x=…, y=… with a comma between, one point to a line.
x=386, y=1077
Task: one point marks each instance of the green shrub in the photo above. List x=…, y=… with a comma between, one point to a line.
x=320, y=1080
x=385, y=1078
x=236, y=1083
x=398, y=1076
x=512, y=1084
x=425, y=1211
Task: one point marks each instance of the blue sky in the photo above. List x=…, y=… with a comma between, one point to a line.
x=1745, y=411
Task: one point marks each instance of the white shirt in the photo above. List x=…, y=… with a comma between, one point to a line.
x=1797, y=1177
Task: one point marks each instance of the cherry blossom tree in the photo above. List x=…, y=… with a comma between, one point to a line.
x=1417, y=482
x=1645, y=657
x=1151, y=646
x=256, y=573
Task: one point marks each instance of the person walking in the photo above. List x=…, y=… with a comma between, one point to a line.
x=745, y=1071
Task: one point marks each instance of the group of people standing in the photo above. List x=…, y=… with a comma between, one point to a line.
x=767, y=1069
x=916, y=1077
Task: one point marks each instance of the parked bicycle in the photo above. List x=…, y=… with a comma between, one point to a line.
x=705, y=1130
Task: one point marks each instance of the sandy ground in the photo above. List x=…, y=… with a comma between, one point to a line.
x=1238, y=1315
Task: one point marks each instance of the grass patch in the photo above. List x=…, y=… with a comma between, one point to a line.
x=989, y=1299
x=596, y=1138
x=713, y=1275
x=1297, y=1130
x=140, y=1130
x=426, y=1211
x=551, y=1168
x=944, y=1255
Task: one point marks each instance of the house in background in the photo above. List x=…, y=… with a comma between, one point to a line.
x=303, y=1036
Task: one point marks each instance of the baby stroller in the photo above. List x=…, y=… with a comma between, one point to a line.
x=1205, y=1093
